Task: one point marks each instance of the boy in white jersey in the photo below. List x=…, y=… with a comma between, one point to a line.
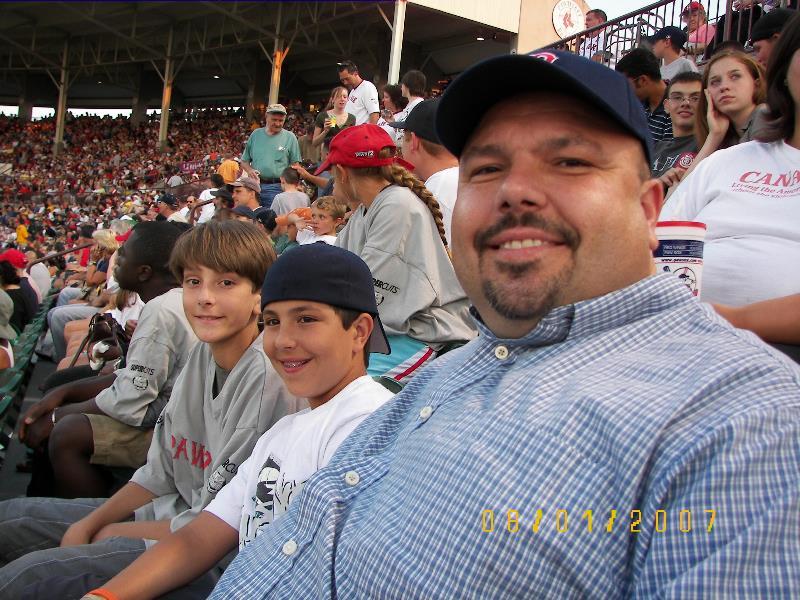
x=320, y=323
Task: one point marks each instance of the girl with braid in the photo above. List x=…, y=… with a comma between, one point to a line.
x=396, y=228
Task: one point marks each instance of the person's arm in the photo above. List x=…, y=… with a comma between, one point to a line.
x=248, y=169
x=373, y=117
x=117, y=508
x=776, y=321
x=245, y=160
x=717, y=128
x=37, y=423
x=315, y=179
x=320, y=133
x=176, y=560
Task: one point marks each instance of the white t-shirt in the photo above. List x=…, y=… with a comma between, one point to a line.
x=288, y=454
x=592, y=45
x=679, y=65
x=363, y=101
x=307, y=236
x=207, y=210
x=444, y=187
x=749, y=198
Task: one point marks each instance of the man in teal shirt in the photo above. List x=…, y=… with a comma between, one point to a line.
x=270, y=150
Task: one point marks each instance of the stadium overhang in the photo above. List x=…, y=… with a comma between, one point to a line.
x=222, y=52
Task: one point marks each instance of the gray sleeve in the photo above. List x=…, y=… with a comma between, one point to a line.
x=157, y=475
x=401, y=289
x=140, y=384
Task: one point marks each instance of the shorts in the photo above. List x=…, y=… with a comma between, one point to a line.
x=407, y=357
x=117, y=444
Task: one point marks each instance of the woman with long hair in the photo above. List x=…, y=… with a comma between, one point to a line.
x=748, y=196
x=734, y=86
x=396, y=227
x=333, y=118
x=730, y=109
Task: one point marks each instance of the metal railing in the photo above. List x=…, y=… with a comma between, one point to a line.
x=725, y=20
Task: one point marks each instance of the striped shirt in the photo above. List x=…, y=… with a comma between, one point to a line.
x=626, y=420
x=658, y=121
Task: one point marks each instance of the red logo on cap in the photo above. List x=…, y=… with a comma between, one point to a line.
x=546, y=56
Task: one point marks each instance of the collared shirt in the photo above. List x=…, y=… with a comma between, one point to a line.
x=658, y=121
x=620, y=418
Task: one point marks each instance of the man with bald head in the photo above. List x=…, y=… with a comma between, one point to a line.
x=606, y=435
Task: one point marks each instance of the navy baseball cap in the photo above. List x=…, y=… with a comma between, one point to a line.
x=330, y=275
x=671, y=33
x=243, y=211
x=421, y=120
x=222, y=193
x=480, y=87
x=168, y=199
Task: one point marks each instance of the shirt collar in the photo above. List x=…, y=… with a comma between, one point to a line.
x=643, y=299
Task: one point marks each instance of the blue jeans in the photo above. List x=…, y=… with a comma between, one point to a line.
x=268, y=193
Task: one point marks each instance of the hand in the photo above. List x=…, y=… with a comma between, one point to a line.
x=130, y=327
x=52, y=400
x=38, y=432
x=78, y=534
x=718, y=123
x=300, y=170
x=672, y=177
x=327, y=124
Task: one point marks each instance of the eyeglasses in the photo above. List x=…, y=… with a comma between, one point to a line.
x=680, y=98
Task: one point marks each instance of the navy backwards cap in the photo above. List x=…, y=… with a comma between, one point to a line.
x=421, y=120
x=168, y=199
x=330, y=275
x=467, y=99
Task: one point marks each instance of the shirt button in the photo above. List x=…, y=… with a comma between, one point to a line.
x=501, y=352
x=290, y=547
x=351, y=478
x=426, y=412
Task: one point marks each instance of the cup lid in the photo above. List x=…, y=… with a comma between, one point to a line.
x=697, y=224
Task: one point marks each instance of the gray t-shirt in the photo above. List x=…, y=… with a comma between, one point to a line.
x=286, y=202
x=674, y=152
x=158, y=350
x=415, y=284
x=201, y=439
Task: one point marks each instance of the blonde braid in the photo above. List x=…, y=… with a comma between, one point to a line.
x=401, y=176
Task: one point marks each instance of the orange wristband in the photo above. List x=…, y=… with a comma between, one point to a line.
x=103, y=593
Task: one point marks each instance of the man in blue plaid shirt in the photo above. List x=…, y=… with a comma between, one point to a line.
x=606, y=435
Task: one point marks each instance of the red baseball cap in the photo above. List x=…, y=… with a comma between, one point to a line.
x=15, y=257
x=359, y=147
x=691, y=7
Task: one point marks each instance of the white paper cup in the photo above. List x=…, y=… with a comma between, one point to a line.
x=680, y=251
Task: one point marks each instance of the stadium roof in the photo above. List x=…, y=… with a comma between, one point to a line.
x=118, y=49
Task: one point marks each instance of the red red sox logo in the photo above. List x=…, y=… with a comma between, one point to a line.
x=545, y=56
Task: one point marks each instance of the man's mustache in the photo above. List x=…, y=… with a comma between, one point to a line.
x=528, y=219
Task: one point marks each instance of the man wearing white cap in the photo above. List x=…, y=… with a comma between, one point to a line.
x=268, y=151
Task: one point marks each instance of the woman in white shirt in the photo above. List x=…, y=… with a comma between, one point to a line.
x=749, y=197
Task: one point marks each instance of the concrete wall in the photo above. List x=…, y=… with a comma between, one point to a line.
x=536, y=24
x=503, y=14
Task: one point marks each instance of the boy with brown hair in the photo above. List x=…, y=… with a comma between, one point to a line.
x=226, y=396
